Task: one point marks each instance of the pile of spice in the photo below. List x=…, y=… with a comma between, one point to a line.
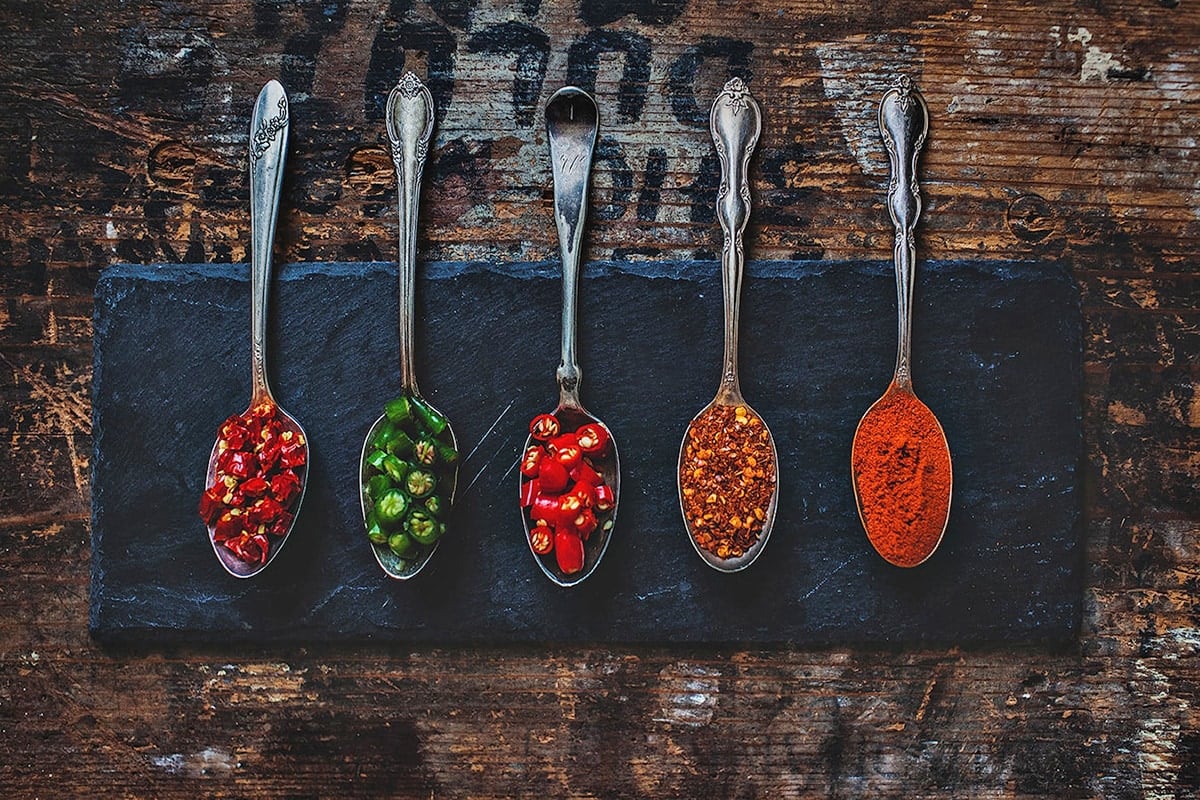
x=251, y=500
x=563, y=492
x=902, y=477
x=727, y=479
x=408, y=477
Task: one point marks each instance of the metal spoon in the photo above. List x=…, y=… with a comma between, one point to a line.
x=735, y=124
x=904, y=124
x=410, y=126
x=572, y=121
x=268, y=145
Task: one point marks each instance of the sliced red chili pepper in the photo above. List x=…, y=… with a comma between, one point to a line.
x=259, y=543
x=583, y=472
x=568, y=454
x=234, y=432
x=293, y=454
x=530, y=489
x=586, y=494
x=255, y=487
x=593, y=438
x=211, y=506
x=545, y=507
x=237, y=463
x=605, y=499
x=279, y=526
x=285, y=486
x=268, y=456
x=585, y=523
x=531, y=461
x=541, y=539
x=228, y=525
x=552, y=476
x=569, y=506
x=544, y=427
x=568, y=551
x=264, y=510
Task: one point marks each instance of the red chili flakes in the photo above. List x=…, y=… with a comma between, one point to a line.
x=727, y=477
x=260, y=470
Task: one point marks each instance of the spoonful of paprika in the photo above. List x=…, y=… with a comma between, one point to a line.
x=900, y=459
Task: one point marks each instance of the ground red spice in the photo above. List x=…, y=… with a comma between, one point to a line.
x=902, y=477
x=727, y=478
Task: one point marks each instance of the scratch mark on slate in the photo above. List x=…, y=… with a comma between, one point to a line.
x=831, y=573
x=488, y=433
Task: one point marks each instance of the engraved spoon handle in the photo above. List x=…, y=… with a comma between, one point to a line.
x=409, y=126
x=735, y=124
x=268, y=146
x=904, y=124
x=572, y=122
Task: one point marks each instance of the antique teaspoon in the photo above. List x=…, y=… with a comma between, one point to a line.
x=900, y=459
x=572, y=121
x=728, y=486
x=409, y=466
x=260, y=457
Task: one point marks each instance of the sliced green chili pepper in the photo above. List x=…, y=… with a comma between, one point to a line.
x=430, y=420
x=390, y=438
x=420, y=483
x=435, y=505
x=401, y=444
x=425, y=451
x=422, y=527
x=402, y=545
x=375, y=531
x=377, y=485
x=395, y=468
x=445, y=453
x=376, y=458
x=391, y=507
x=399, y=410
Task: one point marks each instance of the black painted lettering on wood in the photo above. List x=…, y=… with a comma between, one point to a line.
x=583, y=63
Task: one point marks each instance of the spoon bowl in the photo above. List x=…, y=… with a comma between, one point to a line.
x=393, y=565
x=900, y=431
x=572, y=124
x=268, y=144
x=900, y=459
x=609, y=468
x=735, y=124
x=735, y=563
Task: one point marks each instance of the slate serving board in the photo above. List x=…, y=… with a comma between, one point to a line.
x=998, y=359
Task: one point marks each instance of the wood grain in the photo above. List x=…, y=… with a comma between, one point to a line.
x=1058, y=132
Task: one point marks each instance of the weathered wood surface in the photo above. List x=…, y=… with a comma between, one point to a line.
x=1058, y=132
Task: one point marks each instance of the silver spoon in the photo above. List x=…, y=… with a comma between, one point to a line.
x=735, y=124
x=904, y=124
x=268, y=145
x=410, y=125
x=572, y=121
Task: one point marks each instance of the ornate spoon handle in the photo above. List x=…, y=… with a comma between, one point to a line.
x=904, y=124
x=409, y=127
x=735, y=124
x=268, y=146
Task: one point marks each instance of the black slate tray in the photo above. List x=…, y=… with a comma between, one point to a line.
x=997, y=359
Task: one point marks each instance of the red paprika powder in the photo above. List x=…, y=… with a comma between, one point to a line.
x=902, y=478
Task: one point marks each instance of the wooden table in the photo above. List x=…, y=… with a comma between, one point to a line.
x=1064, y=134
